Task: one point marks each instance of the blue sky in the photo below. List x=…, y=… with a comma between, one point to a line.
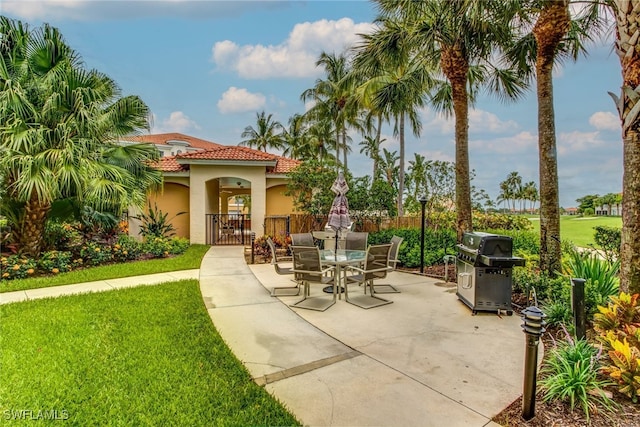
x=205, y=68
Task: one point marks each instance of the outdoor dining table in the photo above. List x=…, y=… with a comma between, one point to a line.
x=340, y=259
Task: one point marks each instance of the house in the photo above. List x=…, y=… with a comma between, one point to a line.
x=203, y=178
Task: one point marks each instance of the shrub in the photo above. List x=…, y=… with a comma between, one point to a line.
x=624, y=368
x=546, y=288
x=600, y=275
x=158, y=247
x=178, y=245
x=61, y=236
x=570, y=373
x=487, y=221
x=557, y=312
x=156, y=223
x=126, y=248
x=608, y=239
x=55, y=261
x=437, y=243
x=618, y=326
x=94, y=253
x=16, y=267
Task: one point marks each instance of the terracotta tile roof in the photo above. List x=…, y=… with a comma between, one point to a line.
x=212, y=151
x=170, y=164
x=229, y=153
x=284, y=165
x=162, y=138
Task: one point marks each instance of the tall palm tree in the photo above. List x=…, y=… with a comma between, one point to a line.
x=554, y=37
x=627, y=19
x=331, y=98
x=398, y=82
x=58, y=125
x=460, y=38
x=267, y=134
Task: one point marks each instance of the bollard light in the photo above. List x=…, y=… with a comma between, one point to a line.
x=533, y=327
x=578, y=307
x=423, y=202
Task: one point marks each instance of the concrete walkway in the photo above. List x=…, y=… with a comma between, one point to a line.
x=97, y=286
x=422, y=361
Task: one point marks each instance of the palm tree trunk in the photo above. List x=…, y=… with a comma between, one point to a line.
x=549, y=30
x=401, y=172
x=630, y=246
x=455, y=67
x=344, y=149
x=376, y=148
x=627, y=20
x=32, y=227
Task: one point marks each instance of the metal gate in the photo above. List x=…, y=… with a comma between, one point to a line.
x=228, y=229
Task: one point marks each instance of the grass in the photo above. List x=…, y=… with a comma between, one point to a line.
x=189, y=260
x=142, y=356
x=579, y=230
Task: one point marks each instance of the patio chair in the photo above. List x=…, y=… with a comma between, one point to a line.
x=386, y=288
x=376, y=267
x=356, y=240
x=308, y=269
x=302, y=239
x=282, y=270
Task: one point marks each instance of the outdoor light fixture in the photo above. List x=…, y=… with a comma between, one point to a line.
x=533, y=327
x=423, y=202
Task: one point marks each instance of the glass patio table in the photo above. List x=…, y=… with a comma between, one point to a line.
x=340, y=259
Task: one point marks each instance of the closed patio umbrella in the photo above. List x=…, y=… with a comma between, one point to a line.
x=339, y=213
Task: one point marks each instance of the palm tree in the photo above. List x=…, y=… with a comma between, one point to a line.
x=269, y=133
x=460, y=38
x=530, y=191
x=295, y=138
x=398, y=82
x=370, y=148
x=331, y=97
x=627, y=21
x=389, y=167
x=554, y=37
x=59, y=122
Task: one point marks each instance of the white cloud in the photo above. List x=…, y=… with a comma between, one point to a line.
x=605, y=120
x=296, y=56
x=519, y=143
x=479, y=121
x=571, y=142
x=176, y=122
x=483, y=121
x=236, y=100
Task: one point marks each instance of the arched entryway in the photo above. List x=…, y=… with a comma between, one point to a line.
x=229, y=222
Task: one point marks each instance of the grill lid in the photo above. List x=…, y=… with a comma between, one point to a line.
x=488, y=249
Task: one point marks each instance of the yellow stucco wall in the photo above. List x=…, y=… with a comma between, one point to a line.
x=174, y=198
x=277, y=202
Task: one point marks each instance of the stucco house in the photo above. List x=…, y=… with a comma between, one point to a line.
x=200, y=177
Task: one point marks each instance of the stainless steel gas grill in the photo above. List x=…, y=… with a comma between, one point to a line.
x=484, y=266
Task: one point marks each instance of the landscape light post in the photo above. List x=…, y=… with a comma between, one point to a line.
x=423, y=202
x=533, y=327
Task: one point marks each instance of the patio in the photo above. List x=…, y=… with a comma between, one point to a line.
x=423, y=360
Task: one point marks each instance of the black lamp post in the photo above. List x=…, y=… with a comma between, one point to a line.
x=423, y=202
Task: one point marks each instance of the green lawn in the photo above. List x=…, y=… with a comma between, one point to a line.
x=189, y=260
x=579, y=230
x=144, y=356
